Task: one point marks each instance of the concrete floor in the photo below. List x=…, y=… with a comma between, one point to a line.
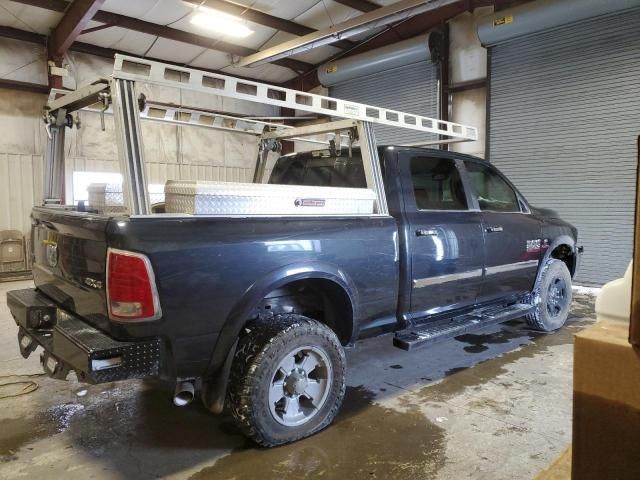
x=492, y=405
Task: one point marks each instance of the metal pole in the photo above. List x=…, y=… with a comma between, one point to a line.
x=126, y=115
x=371, y=162
x=54, y=166
x=263, y=152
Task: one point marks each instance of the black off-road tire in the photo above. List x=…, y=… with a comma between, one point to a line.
x=554, y=272
x=260, y=350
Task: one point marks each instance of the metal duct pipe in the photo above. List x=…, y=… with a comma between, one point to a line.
x=413, y=50
x=543, y=15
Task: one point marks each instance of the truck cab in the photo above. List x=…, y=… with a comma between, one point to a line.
x=467, y=236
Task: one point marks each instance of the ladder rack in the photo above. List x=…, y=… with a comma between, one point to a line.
x=129, y=108
x=143, y=70
x=190, y=117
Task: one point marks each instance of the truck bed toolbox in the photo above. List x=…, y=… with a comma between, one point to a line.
x=222, y=198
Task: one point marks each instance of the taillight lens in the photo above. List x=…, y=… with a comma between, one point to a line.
x=131, y=289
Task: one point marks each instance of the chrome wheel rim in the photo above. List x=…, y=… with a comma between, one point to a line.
x=300, y=386
x=557, y=297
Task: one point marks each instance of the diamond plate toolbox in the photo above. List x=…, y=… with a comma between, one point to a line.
x=224, y=198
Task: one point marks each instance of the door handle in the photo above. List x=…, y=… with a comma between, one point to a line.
x=494, y=229
x=426, y=233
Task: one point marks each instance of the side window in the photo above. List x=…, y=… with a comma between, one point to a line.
x=437, y=184
x=493, y=192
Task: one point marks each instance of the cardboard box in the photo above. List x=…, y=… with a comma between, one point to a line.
x=606, y=404
x=634, y=327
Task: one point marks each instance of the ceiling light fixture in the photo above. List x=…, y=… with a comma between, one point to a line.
x=220, y=22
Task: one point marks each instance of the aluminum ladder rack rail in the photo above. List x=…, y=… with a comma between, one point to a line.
x=189, y=116
x=148, y=71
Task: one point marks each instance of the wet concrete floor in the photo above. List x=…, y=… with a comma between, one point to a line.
x=494, y=404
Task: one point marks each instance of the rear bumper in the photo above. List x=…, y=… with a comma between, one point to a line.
x=71, y=344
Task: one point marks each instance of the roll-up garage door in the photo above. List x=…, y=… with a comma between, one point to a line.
x=411, y=89
x=564, y=122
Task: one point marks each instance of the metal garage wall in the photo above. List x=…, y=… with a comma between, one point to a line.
x=412, y=89
x=564, y=119
x=20, y=189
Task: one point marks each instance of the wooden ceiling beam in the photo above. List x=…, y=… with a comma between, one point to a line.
x=74, y=20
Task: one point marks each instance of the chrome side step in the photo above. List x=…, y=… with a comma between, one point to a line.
x=432, y=332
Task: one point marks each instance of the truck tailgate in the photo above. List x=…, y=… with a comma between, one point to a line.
x=69, y=261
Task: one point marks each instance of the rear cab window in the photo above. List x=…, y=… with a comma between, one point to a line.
x=320, y=170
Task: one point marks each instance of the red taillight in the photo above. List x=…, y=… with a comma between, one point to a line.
x=131, y=290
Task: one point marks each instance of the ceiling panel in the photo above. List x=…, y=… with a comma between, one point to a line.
x=326, y=14
x=134, y=42
x=22, y=61
x=174, y=51
x=161, y=12
x=24, y=17
x=118, y=38
x=212, y=59
x=280, y=8
x=103, y=38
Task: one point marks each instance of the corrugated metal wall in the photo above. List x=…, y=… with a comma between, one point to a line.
x=20, y=189
x=564, y=121
x=411, y=89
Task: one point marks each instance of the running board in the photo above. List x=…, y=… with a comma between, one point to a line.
x=432, y=332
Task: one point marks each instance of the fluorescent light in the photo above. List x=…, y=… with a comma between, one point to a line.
x=220, y=22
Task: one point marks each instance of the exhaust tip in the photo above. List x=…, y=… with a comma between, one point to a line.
x=184, y=394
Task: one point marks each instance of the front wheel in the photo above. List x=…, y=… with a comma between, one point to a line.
x=287, y=379
x=552, y=297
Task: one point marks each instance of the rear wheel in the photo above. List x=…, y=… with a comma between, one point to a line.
x=552, y=297
x=287, y=379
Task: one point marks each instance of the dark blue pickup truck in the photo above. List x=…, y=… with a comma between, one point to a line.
x=253, y=312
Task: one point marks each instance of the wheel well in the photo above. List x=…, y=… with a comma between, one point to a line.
x=565, y=253
x=317, y=298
